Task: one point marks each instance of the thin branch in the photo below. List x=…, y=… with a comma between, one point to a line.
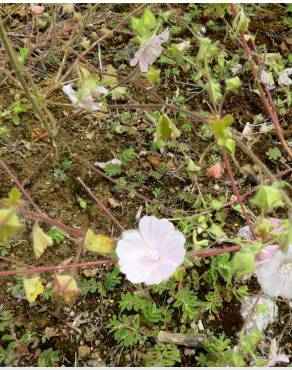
x=22, y=80
x=236, y=192
x=102, y=206
x=43, y=269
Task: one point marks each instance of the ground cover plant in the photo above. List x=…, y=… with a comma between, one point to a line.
x=145, y=184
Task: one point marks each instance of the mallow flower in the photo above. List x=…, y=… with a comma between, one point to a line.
x=274, y=271
x=152, y=253
x=87, y=101
x=147, y=55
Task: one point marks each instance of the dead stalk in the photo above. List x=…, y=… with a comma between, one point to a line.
x=17, y=68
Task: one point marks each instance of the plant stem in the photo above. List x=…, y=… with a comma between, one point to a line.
x=51, y=221
x=235, y=189
x=18, y=72
x=101, y=205
x=92, y=46
x=20, y=187
x=265, y=95
x=42, y=269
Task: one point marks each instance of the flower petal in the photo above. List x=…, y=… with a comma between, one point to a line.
x=154, y=231
x=71, y=93
x=268, y=275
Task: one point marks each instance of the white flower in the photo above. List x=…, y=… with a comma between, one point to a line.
x=151, y=254
x=87, y=102
x=147, y=55
x=274, y=274
x=284, y=79
x=267, y=78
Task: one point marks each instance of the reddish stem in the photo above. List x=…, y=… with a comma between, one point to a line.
x=266, y=97
x=250, y=192
x=50, y=221
x=235, y=189
x=215, y=252
x=102, y=206
x=20, y=187
x=56, y=268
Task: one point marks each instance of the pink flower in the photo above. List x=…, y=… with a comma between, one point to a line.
x=276, y=222
x=147, y=55
x=274, y=271
x=151, y=254
x=266, y=253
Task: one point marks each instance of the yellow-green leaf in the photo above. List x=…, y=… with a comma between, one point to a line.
x=33, y=287
x=166, y=129
x=40, y=241
x=66, y=287
x=9, y=224
x=110, y=80
x=14, y=198
x=98, y=243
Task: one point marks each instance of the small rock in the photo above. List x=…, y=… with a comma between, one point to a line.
x=113, y=203
x=245, y=233
x=50, y=332
x=261, y=320
x=200, y=325
x=89, y=272
x=83, y=351
x=154, y=161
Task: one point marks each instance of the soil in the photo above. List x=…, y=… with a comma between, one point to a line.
x=87, y=135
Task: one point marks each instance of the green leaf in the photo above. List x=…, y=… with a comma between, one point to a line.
x=214, y=90
x=219, y=128
x=14, y=198
x=243, y=261
x=153, y=75
x=233, y=83
x=163, y=355
x=261, y=307
x=23, y=54
x=128, y=155
x=148, y=19
x=188, y=302
x=249, y=342
x=127, y=330
x=206, y=50
x=41, y=241
x=98, y=243
x=110, y=80
x=118, y=92
x=138, y=25
x=240, y=25
x=192, y=167
x=166, y=130
x=268, y=197
x=16, y=120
